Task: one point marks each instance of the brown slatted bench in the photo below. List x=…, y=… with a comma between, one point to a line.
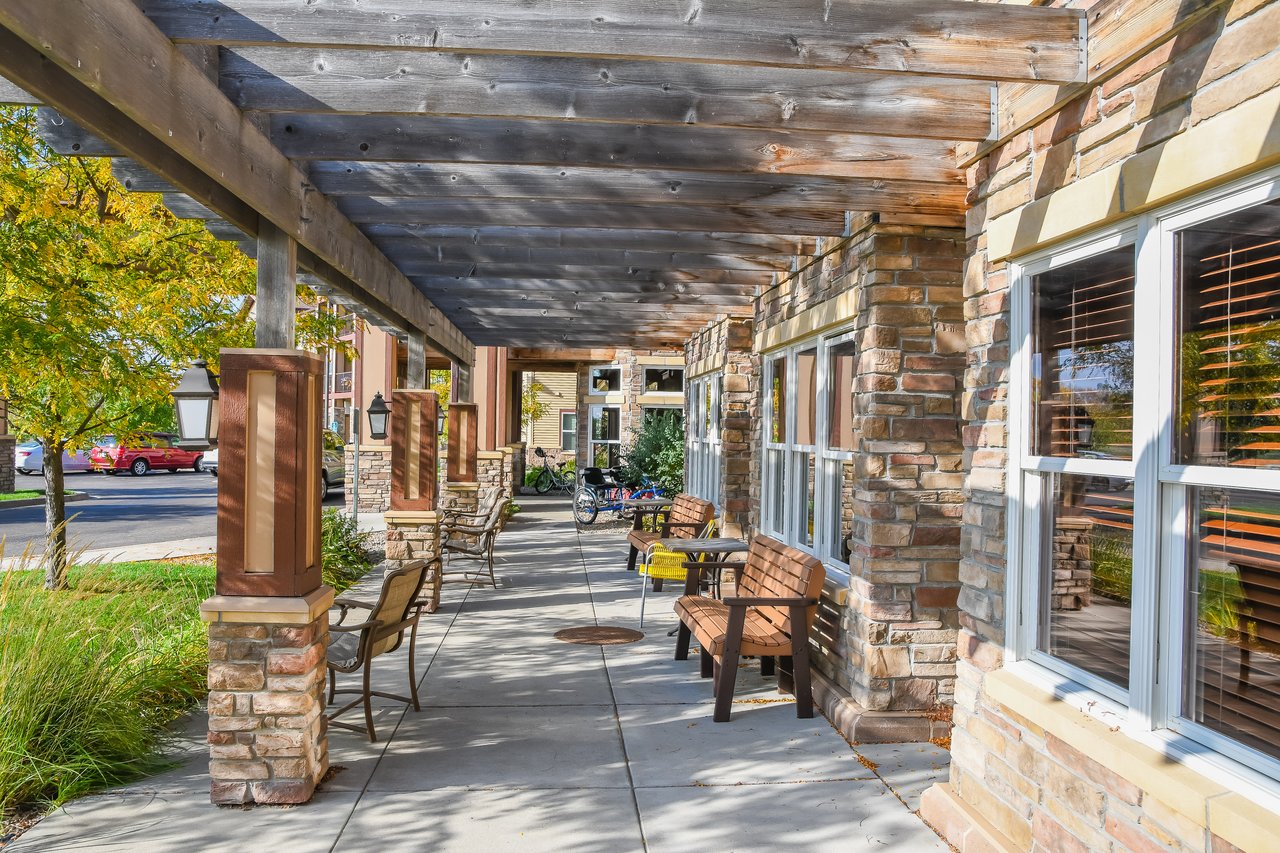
x=769, y=615
x=686, y=519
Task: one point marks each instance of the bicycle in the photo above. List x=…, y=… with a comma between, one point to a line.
x=552, y=478
x=602, y=490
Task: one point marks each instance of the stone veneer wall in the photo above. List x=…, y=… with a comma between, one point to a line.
x=8, y=475
x=887, y=641
x=375, y=477
x=630, y=410
x=1016, y=780
x=728, y=345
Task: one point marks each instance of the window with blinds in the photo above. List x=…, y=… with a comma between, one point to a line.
x=1082, y=362
x=1227, y=415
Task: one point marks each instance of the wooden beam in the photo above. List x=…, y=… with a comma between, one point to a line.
x=66, y=137
x=277, y=294
x=383, y=209
x=312, y=136
x=473, y=272
x=705, y=242
x=919, y=36
x=500, y=298
x=653, y=289
x=113, y=71
x=411, y=82
x=634, y=186
x=418, y=254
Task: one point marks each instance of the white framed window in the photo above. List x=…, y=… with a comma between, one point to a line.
x=664, y=379
x=605, y=436
x=702, y=438
x=807, y=475
x=605, y=380
x=568, y=430
x=1144, y=483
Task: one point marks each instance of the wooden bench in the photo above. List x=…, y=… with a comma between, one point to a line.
x=769, y=615
x=686, y=518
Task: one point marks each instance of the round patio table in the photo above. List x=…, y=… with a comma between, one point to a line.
x=714, y=547
x=646, y=508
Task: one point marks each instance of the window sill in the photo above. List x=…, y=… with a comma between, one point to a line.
x=1242, y=810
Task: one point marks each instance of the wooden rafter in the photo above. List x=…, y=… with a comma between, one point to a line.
x=921, y=36
x=410, y=82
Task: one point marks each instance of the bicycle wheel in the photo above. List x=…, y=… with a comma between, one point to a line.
x=544, y=482
x=584, y=506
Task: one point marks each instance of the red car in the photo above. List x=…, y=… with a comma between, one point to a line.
x=151, y=451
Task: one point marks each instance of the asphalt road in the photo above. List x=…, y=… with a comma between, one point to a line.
x=124, y=510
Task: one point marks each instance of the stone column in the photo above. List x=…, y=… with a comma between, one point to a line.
x=519, y=466
x=1072, y=587
x=907, y=474
x=268, y=622
x=7, y=445
x=491, y=470
x=738, y=395
x=375, y=476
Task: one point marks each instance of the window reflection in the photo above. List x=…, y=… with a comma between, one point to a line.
x=1229, y=358
x=807, y=396
x=1086, y=584
x=778, y=397
x=840, y=373
x=1233, y=654
x=1082, y=358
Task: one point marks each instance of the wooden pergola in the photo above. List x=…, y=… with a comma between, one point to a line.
x=551, y=174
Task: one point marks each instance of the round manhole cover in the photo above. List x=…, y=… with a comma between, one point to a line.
x=599, y=635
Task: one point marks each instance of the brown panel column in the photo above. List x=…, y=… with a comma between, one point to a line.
x=414, y=450
x=463, y=428
x=268, y=621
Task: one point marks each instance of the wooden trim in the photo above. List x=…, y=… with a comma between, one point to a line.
x=404, y=448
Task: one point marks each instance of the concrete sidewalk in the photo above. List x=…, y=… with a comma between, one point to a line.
x=528, y=743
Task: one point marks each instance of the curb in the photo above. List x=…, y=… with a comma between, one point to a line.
x=25, y=502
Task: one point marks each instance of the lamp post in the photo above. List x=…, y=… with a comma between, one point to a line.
x=379, y=414
x=196, y=402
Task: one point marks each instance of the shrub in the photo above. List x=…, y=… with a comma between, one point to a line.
x=343, y=558
x=91, y=676
x=657, y=452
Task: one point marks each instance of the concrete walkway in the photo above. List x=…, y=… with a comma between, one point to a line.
x=526, y=743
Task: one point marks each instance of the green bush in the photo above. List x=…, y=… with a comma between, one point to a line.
x=92, y=675
x=657, y=452
x=343, y=560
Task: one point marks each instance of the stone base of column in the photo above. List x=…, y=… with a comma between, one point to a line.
x=7, y=472
x=268, y=738
x=491, y=468
x=415, y=536
x=459, y=497
x=861, y=725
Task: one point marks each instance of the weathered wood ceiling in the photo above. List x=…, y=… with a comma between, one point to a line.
x=606, y=172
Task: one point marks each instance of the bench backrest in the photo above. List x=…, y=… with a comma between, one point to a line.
x=686, y=509
x=780, y=571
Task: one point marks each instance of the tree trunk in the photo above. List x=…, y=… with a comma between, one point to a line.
x=55, y=518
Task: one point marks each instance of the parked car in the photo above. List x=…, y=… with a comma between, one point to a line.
x=333, y=469
x=28, y=458
x=151, y=451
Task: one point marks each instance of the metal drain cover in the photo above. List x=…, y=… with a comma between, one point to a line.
x=599, y=635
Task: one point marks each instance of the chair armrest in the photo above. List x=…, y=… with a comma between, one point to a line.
x=351, y=629
x=769, y=602
x=472, y=529
x=351, y=602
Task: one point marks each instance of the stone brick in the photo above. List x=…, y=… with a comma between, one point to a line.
x=229, y=793
x=294, y=662
x=1133, y=837
x=1114, y=784
x=235, y=676
x=222, y=770
x=283, y=792
x=233, y=631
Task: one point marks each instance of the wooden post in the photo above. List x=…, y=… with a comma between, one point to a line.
x=277, y=296
x=460, y=392
x=463, y=435
x=414, y=450
x=417, y=373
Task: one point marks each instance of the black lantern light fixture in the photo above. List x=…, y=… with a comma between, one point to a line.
x=379, y=413
x=1084, y=431
x=196, y=401
x=440, y=417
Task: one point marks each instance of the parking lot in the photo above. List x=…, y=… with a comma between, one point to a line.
x=124, y=510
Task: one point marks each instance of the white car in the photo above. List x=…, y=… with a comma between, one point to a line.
x=28, y=458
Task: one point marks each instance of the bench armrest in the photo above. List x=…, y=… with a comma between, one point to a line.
x=668, y=526
x=694, y=569
x=769, y=602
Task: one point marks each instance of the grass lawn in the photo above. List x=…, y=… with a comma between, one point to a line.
x=24, y=494
x=91, y=676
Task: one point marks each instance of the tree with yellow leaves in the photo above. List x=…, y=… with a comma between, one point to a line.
x=105, y=297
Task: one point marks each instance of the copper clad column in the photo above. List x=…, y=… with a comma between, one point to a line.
x=268, y=621
x=413, y=525
x=463, y=434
